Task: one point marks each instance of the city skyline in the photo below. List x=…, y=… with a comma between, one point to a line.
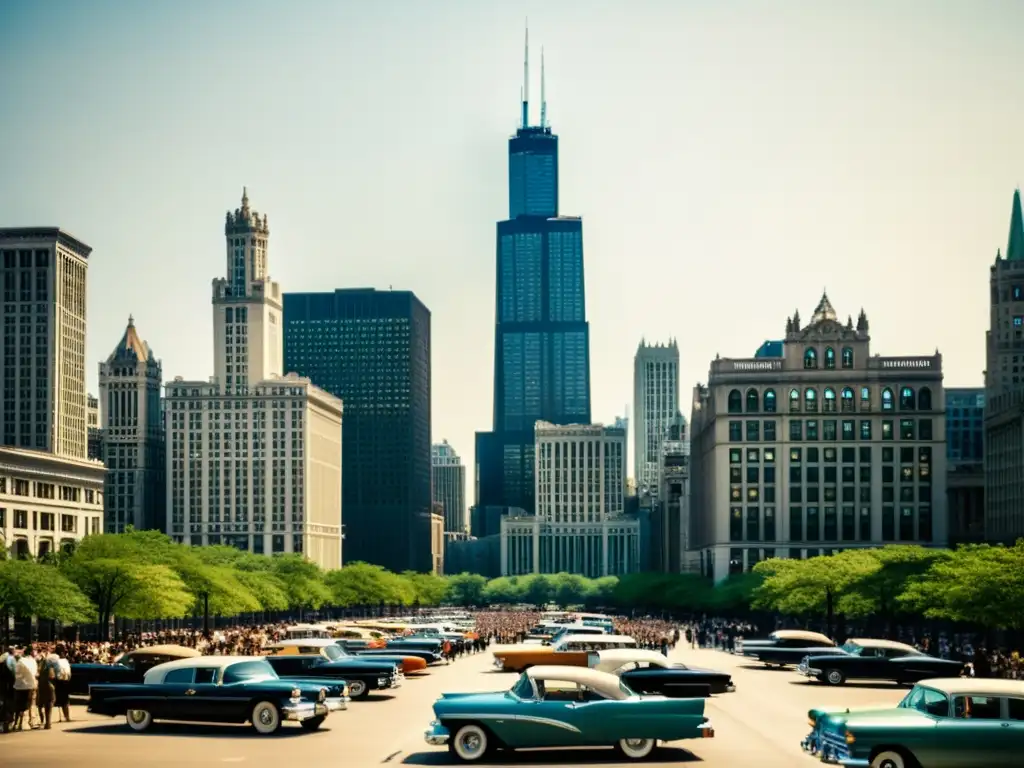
x=886, y=208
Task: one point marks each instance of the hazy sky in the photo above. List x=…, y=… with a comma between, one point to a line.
x=729, y=159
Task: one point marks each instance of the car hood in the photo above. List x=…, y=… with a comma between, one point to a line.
x=333, y=686
x=376, y=664
x=476, y=701
x=836, y=719
x=97, y=665
x=827, y=653
x=702, y=671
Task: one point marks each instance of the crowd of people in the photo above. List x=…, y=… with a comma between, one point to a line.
x=34, y=682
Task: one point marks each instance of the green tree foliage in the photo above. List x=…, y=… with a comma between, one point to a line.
x=301, y=580
x=466, y=589
x=426, y=588
x=29, y=588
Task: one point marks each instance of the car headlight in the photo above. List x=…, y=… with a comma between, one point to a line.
x=850, y=738
x=296, y=693
x=811, y=721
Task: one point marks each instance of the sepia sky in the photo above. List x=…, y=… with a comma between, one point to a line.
x=730, y=159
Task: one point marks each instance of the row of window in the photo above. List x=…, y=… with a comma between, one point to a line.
x=831, y=523
x=811, y=358
x=753, y=402
x=831, y=430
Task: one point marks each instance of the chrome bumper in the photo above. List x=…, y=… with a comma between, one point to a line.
x=337, y=703
x=833, y=754
x=730, y=688
x=391, y=682
x=436, y=735
x=303, y=711
x=808, y=671
x=499, y=664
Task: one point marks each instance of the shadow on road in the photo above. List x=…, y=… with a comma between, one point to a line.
x=880, y=685
x=554, y=757
x=373, y=698
x=763, y=668
x=191, y=731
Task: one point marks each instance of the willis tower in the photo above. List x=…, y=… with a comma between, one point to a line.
x=541, y=335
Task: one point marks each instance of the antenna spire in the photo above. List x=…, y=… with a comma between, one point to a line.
x=543, y=96
x=526, y=78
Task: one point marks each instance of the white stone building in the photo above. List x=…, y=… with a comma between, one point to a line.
x=823, y=449
x=580, y=525
x=656, y=405
x=448, y=486
x=253, y=457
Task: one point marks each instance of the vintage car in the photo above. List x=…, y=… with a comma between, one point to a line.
x=362, y=676
x=787, y=647
x=863, y=659
x=556, y=706
x=961, y=722
x=216, y=689
x=332, y=650
x=653, y=673
x=569, y=650
x=130, y=667
x=361, y=648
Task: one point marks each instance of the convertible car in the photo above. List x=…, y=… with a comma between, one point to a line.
x=786, y=647
x=652, y=673
x=962, y=722
x=130, y=667
x=568, y=650
x=216, y=689
x=555, y=706
x=877, y=660
x=333, y=651
x=362, y=676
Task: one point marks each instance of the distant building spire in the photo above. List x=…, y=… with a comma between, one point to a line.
x=543, y=94
x=526, y=79
x=1015, y=244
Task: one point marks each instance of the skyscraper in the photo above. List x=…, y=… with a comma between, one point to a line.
x=656, y=405
x=448, y=481
x=132, y=436
x=541, y=340
x=372, y=349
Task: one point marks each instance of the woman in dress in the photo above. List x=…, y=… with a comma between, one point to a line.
x=45, y=694
x=62, y=684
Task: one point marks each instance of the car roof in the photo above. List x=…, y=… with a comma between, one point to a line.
x=620, y=656
x=604, y=683
x=166, y=650
x=312, y=642
x=156, y=674
x=892, y=645
x=594, y=638
x=801, y=634
x=982, y=687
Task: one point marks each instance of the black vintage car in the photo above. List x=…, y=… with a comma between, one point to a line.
x=216, y=689
x=787, y=647
x=430, y=657
x=361, y=675
x=129, y=668
x=652, y=673
x=864, y=659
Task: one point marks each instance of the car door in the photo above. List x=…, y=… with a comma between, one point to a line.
x=207, y=701
x=977, y=736
x=550, y=719
x=177, y=695
x=912, y=668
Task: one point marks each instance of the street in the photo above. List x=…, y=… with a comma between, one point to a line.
x=760, y=724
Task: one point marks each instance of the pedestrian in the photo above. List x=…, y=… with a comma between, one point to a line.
x=8, y=662
x=26, y=672
x=62, y=685
x=45, y=694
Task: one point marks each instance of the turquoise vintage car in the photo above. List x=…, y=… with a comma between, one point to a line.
x=958, y=722
x=556, y=706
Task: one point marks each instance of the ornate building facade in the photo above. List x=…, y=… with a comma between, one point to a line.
x=822, y=449
x=655, y=408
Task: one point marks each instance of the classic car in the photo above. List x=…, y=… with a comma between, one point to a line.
x=862, y=659
x=216, y=689
x=332, y=650
x=652, y=673
x=130, y=667
x=786, y=647
x=556, y=706
x=361, y=648
x=961, y=722
x=569, y=650
x=362, y=676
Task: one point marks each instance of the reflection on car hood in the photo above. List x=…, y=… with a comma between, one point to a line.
x=450, y=701
x=870, y=716
x=333, y=686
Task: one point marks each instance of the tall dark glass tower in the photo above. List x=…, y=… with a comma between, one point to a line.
x=372, y=349
x=541, y=337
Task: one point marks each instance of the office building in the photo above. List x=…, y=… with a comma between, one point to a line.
x=1004, y=390
x=133, y=436
x=92, y=424
x=372, y=349
x=672, y=531
x=656, y=405
x=448, y=481
x=541, y=335
x=965, y=464
x=253, y=456
x=437, y=540
x=580, y=525
x=824, y=449
x=51, y=493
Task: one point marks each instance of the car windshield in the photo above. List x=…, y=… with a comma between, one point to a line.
x=523, y=687
x=852, y=648
x=333, y=652
x=249, y=670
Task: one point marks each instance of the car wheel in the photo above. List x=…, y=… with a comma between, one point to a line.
x=265, y=718
x=888, y=760
x=469, y=743
x=834, y=677
x=636, y=749
x=313, y=723
x=138, y=719
x=358, y=689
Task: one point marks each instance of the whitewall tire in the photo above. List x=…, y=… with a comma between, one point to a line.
x=358, y=689
x=636, y=749
x=888, y=760
x=265, y=718
x=834, y=677
x=138, y=719
x=470, y=743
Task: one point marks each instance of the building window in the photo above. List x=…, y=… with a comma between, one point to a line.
x=907, y=524
x=924, y=523
x=888, y=523
x=865, y=430
x=769, y=431
x=769, y=455
x=907, y=400
x=812, y=430
x=847, y=357
x=831, y=532
x=906, y=429
x=769, y=401
x=847, y=400
x=925, y=429
x=753, y=430
x=769, y=523
x=810, y=358
x=794, y=400
x=796, y=430
x=830, y=400
x=735, y=402
x=735, y=456
x=813, y=525
x=752, y=401
x=829, y=429
x=735, y=431
x=753, y=523
x=830, y=358
x=848, y=431
x=811, y=400
x=924, y=399
x=887, y=403
x=796, y=524
x=887, y=430
x=735, y=524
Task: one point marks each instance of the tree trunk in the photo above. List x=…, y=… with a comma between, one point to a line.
x=206, y=615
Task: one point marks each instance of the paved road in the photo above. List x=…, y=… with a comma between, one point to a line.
x=760, y=724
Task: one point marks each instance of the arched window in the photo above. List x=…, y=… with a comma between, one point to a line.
x=865, y=397
x=830, y=358
x=847, y=400
x=830, y=400
x=810, y=358
x=887, y=399
x=735, y=402
x=908, y=400
x=769, y=401
x=811, y=400
x=752, y=400
x=794, y=400
x=924, y=399
x=847, y=357
x=21, y=551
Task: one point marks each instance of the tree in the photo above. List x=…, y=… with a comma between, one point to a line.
x=466, y=589
x=570, y=589
x=878, y=592
x=301, y=580
x=601, y=592
x=735, y=594
x=504, y=590
x=356, y=584
x=427, y=588
x=30, y=588
x=537, y=589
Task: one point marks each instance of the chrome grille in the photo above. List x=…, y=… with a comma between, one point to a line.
x=833, y=747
